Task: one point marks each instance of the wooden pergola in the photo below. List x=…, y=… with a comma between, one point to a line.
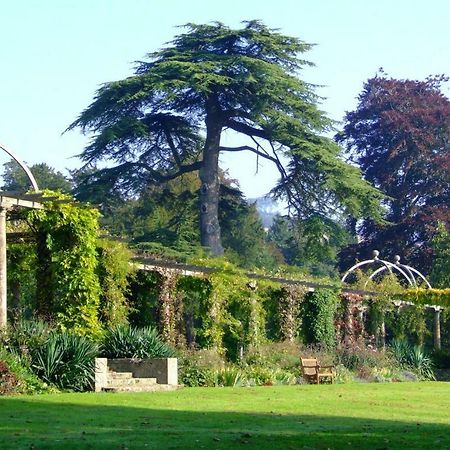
x=8, y=202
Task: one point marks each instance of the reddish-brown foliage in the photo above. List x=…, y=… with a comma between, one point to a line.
x=400, y=136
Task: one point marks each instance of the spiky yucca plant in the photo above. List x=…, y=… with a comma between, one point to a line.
x=129, y=342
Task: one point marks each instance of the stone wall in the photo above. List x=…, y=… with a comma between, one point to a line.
x=165, y=370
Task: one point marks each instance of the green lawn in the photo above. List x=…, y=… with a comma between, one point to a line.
x=360, y=416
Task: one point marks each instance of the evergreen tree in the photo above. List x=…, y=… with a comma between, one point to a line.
x=440, y=274
x=15, y=179
x=168, y=118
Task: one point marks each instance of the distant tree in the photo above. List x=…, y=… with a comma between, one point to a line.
x=312, y=244
x=440, y=274
x=15, y=179
x=168, y=119
x=399, y=135
x=163, y=220
x=243, y=234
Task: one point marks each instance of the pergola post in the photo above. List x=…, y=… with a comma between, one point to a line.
x=383, y=333
x=437, y=328
x=3, y=278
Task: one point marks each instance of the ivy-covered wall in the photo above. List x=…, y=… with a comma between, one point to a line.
x=65, y=273
x=87, y=284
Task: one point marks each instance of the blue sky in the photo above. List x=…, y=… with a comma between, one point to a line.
x=54, y=54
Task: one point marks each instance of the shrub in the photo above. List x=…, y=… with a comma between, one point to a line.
x=319, y=308
x=413, y=358
x=229, y=376
x=198, y=368
x=264, y=376
x=129, y=342
x=25, y=335
x=8, y=379
x=16, y=376
x=284, y=355
x=66, y=360
x=356, y=354
x=441, y=358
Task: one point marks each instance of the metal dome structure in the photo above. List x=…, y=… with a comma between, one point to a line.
x=410, y=274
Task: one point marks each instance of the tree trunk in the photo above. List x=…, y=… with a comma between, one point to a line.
x=209, y=191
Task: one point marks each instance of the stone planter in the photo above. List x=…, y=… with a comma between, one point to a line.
x=164, y=370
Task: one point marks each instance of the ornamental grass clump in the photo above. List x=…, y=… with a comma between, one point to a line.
x=24, y=336
x=138, y=343
x=412, y=358
x=66, y=361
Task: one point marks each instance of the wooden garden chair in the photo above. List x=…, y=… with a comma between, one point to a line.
x=313, y=372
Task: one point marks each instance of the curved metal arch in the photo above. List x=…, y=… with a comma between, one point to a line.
x=23, y=166
x=412, y=282
x=417, y=273
x=356, y=266
x=363, y=263
x=405, y=270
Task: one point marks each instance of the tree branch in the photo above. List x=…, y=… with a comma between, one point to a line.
x=246, y=129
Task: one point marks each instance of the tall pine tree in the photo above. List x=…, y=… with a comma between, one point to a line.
x=168, y=118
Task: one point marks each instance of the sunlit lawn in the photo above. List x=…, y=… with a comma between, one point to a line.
x=360, y=416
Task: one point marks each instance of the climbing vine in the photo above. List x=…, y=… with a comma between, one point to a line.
x=289, y=308
x=319, y=309
x=67, y=284
x=114, y=271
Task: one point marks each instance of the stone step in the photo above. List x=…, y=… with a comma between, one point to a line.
x=119, y=375
x=138, y=388
x=126, y=382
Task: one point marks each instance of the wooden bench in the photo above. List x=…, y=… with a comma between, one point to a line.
x=313, y=372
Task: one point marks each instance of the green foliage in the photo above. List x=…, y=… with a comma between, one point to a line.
x=311, y=243
x=8, y=379
x=16, y=377
x=65, y=360
x=167, y=119
x=114, y=271
x=243, y=234
x=408, y=323
x=15, y=179
x=61, y=359
x=194, y=292
x=129, y=342
x=319, y=308
x=441, y=358
x=143, y=294
x=440, y=273
x=24, y=336
x=258, y=368
x=229, y=376
x=236, y=315
x=413, y=358
x=197, y=368
x=21, y=263
x=421, y=297
x=69, y=289
x=355, y=355
x=273, y=355
x=193, y=376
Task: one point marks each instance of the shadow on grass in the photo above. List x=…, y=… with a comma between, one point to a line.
x=45, y=425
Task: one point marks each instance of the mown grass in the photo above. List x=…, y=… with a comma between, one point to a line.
x=370, y=416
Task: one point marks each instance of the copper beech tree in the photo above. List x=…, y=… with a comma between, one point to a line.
x=399, y=135
x=168, y=119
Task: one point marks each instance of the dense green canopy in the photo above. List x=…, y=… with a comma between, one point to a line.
x=167, y=119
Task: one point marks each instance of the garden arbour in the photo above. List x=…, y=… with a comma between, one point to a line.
x=231, y=311
x=86, y=285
